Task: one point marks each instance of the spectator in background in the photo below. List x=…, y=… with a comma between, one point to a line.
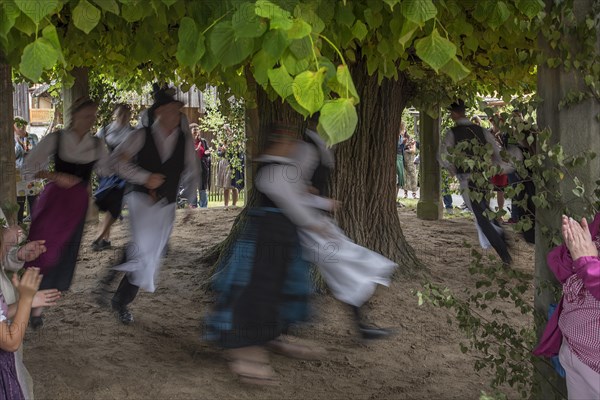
x=202, y=153
x=499, y=181
x=400, y=160
x=225, y=179
x=410, y=169
x=27, y=191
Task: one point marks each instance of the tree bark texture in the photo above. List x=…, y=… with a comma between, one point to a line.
x=365, y=174
x=8, y=190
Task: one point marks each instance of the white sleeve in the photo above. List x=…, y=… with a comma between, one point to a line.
x=121, y=158
x=37, y=159
x=286, y=194
x=447, y=144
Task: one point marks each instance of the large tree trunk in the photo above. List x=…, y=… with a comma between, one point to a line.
x=365, y=174
x=365, y=177
x=8, y=191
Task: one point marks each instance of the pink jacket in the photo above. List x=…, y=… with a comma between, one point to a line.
x=561, y=264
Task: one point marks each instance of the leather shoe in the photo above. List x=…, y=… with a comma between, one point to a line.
x=373, y=333
x=124, y=315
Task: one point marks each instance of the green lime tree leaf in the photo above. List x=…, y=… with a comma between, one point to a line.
x=49, y=32
x=338, y=119
x=455, y=70
x=280, y=18
x=275, y=42
x=344, y=79
x=418, y=11
x=500, y=13
x=37, y=9
x=246, y=23
x=308, y=90
x=407, y=33
x=262, y=62
x=530, y=8
x=281, y=81
x=229, y=49
x=359, y=30
x=108, y=5
x=299, y=29
x=37, y=57
x=190, y=48
x=435, y=50
x=86, y=16
x=8, y=16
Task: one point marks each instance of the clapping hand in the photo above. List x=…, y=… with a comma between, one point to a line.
x=31, y=250
x=578, y=238
x=45, y=298
x=29, y=283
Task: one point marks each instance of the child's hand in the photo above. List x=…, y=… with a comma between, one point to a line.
x=29, y=283
x=31, y=250
x=45, y=298
x=10, y=237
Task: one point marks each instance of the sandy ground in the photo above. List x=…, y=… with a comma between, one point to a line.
x=84, y=353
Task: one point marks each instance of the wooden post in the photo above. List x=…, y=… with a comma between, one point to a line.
x=577, y=130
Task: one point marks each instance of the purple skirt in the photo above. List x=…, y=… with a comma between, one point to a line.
x=58, y=218
x=10, y=389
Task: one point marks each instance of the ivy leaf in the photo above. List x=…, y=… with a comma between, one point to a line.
x=435, y=50
x=108, y=5
x=37, y=57
x=344, y=79
x=49, y=32
x=227, y=48
x=456, y=70
x=338, y=119
x=359, y=30
x=246, y=23
x=530, y=8
x=500, y=13
x=190, y=48
x=37, y=9
x=308, y=90
x=418, y=11
x=281, y=81
x=86, y=16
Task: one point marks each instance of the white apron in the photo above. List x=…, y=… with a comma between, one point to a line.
x=351, y=272
x=151, y=225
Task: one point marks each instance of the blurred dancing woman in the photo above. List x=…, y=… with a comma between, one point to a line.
x=59, y=214
x=352, y=272
x=264, y=284
x=109, y=196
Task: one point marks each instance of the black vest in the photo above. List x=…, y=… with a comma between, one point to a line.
x=466, y=133
x=82, y=171
x=148, y=158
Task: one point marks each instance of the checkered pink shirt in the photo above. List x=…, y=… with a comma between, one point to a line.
x=580, y=317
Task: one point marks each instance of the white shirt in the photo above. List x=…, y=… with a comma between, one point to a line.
x=73, y=149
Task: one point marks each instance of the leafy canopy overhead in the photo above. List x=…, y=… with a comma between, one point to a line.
x=299, y=51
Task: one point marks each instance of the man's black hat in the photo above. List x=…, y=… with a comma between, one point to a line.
x=457, y=106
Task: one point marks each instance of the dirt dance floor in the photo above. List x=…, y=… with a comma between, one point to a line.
x=84, y=353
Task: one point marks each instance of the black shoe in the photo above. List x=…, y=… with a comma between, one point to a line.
x=36, y=322
x=99, y=245
x=124, y=316
x=373, y=333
